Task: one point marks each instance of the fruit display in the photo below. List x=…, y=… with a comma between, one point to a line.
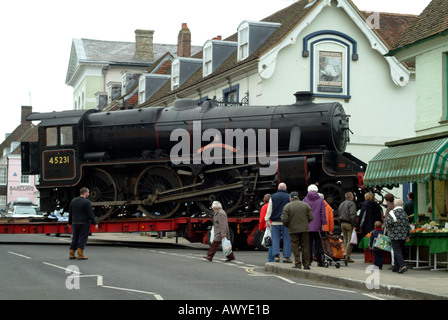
x=430, y=227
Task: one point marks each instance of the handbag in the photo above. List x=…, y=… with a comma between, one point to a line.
x=382, y=242
x=226, y=246
x=267, y=239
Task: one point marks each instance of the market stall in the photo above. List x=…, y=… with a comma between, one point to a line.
x=422, y=161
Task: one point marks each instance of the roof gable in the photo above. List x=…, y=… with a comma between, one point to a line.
x=268, y=58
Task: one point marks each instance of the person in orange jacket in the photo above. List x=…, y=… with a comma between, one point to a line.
x=330, y=218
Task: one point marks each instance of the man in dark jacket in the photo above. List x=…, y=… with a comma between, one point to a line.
x=296, y=216
x=347, y=219
x=80, y=217
x=278, y=230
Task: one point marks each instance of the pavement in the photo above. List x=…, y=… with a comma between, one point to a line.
x=415, y=284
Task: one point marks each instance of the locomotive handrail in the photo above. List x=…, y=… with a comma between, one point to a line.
x=282, y=114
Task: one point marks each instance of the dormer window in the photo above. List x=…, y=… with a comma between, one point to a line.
x=149, y=84
x=182, y=69
x=207, y=59
x=251, y=34
x=243, y=41
x=215, y=52
x=175, y=68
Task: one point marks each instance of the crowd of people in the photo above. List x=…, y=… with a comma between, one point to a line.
x=299, y=224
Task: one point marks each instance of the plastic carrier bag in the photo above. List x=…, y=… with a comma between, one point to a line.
x=267, y=239
x=226, y=246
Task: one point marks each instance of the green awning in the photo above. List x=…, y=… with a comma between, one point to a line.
x=417, y=162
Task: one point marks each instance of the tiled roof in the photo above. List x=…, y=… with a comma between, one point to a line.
x=432, y=21
x=391, y=27
x=119, y=51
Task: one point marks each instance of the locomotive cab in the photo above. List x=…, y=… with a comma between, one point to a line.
x=55, y=157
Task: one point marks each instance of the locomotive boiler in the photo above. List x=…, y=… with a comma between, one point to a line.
x=164, y=161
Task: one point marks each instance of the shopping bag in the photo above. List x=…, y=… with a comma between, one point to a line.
x=267, y=239
x=226, y=246
x=382, y=242
x=354, y=239
x=212, y=234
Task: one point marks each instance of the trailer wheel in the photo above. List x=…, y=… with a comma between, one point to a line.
x=258, y=239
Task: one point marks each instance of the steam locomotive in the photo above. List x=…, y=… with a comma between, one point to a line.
x=166, y=161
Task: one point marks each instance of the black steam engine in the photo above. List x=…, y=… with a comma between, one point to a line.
x=177, y=160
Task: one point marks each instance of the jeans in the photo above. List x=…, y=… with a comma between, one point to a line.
x=270, y=255
x=80, y=234
x=278, y=232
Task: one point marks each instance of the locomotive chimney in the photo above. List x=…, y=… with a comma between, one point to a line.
x=303, y=97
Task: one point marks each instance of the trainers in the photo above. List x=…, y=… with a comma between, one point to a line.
x=277, y=259
x=287, y=260
x=350, y=260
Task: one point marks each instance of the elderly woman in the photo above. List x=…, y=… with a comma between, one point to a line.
x=221, y=229
x=399, y=230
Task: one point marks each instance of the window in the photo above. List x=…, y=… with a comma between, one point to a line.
x=51, y=136
x=3, y=175
x=24, y=179
x=175, y=75
x=446, y=87
x=3, y=202
x=243, y=42
x=66, y=135
x=208, y=67
x=141, y=89
x=231, y=94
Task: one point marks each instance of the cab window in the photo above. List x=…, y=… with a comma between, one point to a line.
x=61, y=136
x=66, y=136
x=51, y=136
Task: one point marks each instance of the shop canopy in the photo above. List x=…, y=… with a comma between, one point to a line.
x=416, y=162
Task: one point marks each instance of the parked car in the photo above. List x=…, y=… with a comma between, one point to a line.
x=19, y=211
x=19, y=202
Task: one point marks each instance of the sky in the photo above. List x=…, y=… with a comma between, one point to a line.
x=37, y=36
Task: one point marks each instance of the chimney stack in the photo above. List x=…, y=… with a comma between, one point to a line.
x=144, y=46
x=184, y=42
x=26, y=110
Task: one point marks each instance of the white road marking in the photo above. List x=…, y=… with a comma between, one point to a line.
x=99, y=281
x=19, y=255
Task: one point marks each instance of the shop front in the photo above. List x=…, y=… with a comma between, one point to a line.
x=422, y=161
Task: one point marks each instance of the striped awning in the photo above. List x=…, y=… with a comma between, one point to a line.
x=417, y=162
